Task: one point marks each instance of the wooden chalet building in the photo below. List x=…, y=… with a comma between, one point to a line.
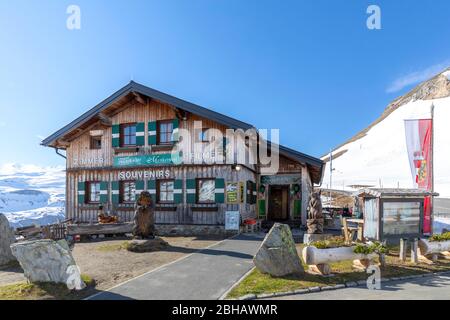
x=122, y=145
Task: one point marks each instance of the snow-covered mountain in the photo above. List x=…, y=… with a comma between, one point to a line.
x=377, y=156
x=32, y=195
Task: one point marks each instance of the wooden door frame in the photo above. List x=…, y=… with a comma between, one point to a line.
x=282, y=187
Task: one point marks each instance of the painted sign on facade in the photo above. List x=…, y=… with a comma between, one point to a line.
x=232, y=220
x=146, y=174
x=90, y=161
x=281, y=179
x=146, y=160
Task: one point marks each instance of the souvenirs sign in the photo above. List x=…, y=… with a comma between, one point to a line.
x=144, y=174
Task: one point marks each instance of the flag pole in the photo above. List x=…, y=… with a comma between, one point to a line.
x=432, y=168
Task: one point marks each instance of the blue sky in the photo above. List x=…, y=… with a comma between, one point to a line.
x=311, y=68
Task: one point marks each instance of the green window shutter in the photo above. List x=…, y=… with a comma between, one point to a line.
x=103, y=192
x=140, y=186
x=115, y=135
x=248, y=192
x=175, y=133
x=262, y=208
x=151, y=188
x=220, y=190
x=190, y=191
x=81, y=190
x=297, y=208
x=140, y=134
x=178, y=191
x=152, y=133
x=115, y=189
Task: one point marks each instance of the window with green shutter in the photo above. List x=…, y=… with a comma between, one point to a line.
x=178, y=191
x=103, y=192
x=175, y=133
x=115, y=192
x=140, y=134
x=191, y=191
x=140, y=186
x=81, y=192
x=220, y=190
x=152, y=133
x=115, y=135
x=249, y=192
x=297, y=208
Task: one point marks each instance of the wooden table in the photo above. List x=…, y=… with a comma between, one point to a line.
x=360, y=223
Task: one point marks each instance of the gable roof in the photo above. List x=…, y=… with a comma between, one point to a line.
x=134, y=87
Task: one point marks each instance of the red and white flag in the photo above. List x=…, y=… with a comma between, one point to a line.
x=418, y=143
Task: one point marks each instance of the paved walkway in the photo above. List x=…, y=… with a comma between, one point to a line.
x=426, y=288
x=204, y=275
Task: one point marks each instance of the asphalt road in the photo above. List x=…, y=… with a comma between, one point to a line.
x=426, y=288
x=204, y=275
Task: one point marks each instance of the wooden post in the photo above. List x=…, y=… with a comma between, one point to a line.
x=414, y=253
x=382, y=260
x=403, y=248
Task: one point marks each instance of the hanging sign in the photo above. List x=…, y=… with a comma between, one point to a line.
x=281, y=179
x=146, y=160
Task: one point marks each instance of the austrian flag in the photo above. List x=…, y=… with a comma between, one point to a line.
x=418, y=143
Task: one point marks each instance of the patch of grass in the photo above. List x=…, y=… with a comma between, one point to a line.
x=108, y=247
x=332, y=242
x=258, y=283
x=45, y=291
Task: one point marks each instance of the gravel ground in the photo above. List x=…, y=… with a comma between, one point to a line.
x=109, y=265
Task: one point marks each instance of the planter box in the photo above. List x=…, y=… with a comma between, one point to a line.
x=319, y=259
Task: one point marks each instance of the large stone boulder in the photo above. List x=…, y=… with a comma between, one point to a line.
x=147, y=245
x=277, y=254
x=6, y=239
x=48, y=261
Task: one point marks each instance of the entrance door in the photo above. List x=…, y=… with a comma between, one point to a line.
x=278, y=203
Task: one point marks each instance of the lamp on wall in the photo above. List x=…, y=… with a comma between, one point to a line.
x=236, y=167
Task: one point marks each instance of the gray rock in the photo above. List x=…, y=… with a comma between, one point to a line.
x=48, y=261
x=6, y=239
x=148, y=245
x=277, y=254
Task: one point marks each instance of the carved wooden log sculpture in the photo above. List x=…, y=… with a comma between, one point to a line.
x=318, y=260
x=315, y=219
x=430, y=250
x=144, y=217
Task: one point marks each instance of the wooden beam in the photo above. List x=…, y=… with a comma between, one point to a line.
x=139, y=98
x=105, y=120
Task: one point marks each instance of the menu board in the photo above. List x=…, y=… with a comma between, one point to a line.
x=232, y=190
x=232, y=220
